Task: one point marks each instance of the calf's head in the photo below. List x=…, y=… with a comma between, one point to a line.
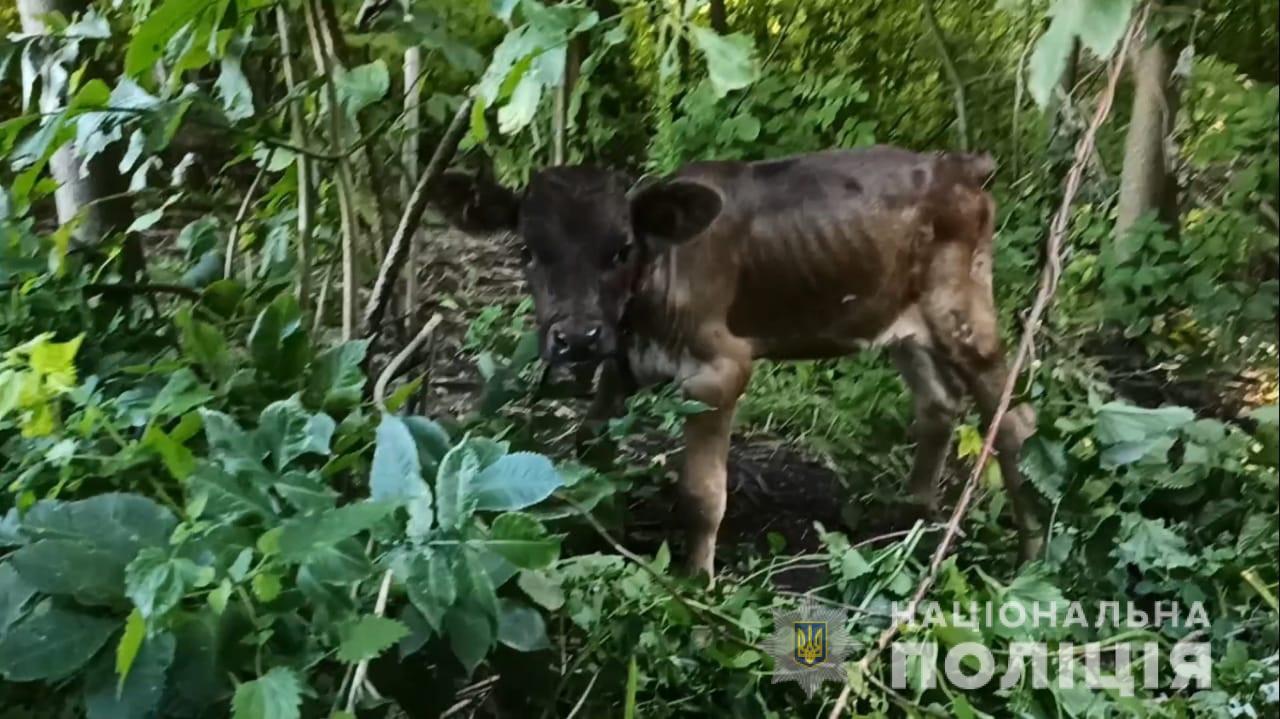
x=587, y=234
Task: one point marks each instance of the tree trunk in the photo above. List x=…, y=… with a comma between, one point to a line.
x=96, y=196
x=1145, y=182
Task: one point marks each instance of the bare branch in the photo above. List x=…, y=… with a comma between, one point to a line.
x=411, y=218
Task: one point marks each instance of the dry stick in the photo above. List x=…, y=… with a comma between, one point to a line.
x=306, y=202
x=346, y=204
x=1048, y=284
x=379, y=398
x=412, y=96
x=233, y=238
x=409, y=220
x=949, y=66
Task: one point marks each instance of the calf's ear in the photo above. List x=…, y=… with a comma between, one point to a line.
x=673, y=211
x=475, y=204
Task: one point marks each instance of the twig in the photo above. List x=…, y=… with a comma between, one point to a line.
x=306, y=202
x=1048, y=284
x=345, y=184
x=380, y=387
x=362, y=669
x=99, y=288
x=412, y=95
x=698, y=608
x=949, y=67
x=233, y=239
x=409, y=220
x=583, y=699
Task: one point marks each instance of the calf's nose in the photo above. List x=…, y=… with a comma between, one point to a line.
x=575, y=343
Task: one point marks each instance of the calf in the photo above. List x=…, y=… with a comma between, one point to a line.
x=692, y=277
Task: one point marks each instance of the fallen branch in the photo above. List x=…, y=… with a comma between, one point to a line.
x=411, y=218
x=1048, y=285
x=380, y=387
x=233, y=238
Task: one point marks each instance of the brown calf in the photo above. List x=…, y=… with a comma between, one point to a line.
x=692, y=277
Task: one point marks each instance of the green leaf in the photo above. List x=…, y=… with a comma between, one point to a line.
x=432, y=588
x=340, y=563
x=135, y=630
x=514, y=482
x=523, y=541
x=458, y=469
x=15, y=592
x=278, y=342
x=542, y=589
x=1102, y=23
x=136, y=695
x=523, y=105
x=361, y=86
x=368, y=637
x=288, y=431
x=232, y=87
x=470, y=635
x=276, y=695
x=432, y=440
x=730, y=61
x=521, y=627
x=62, y=566
x=156, y=582
x=306, y=537
x=1149, y=544
x=1049, y=59
x=336, y=381
x=1118, y=422
x=205, y=344
x=176, y=458
x=116, y=523
x=51, y=643
x=396, y=475
x=154, y=33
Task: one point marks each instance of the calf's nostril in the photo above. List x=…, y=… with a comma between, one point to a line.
x=559, y=340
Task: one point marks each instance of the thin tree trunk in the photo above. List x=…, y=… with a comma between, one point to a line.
x=957, y=82
x=412, y=96
x=96, y=197
x=1144, y=179
x=306, y=201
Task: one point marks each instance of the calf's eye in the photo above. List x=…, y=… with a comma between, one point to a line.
x=526, y=256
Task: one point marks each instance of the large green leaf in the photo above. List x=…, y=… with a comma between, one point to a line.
x=15, y=592
x=105, y=697
x=232, y=86
x=275, y=695
x=155, y=32
x=731, y=64
x=361, y=86
x=368, y=637
x=116, y=523
x=288, y=431
x=523, y=541
x=471, y=635
x=91, y=574
x=396, y=475
x=278, y=342
x=336, y=381
x=51, y=643
x=1119, y=422
x=521, y=627
x=515, y=481
x=1098, y=24
x=339, y=563
x=306, y=537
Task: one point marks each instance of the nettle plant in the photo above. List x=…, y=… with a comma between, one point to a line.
x=250, y=563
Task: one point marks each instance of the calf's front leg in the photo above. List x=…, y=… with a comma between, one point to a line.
x=704, y=477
